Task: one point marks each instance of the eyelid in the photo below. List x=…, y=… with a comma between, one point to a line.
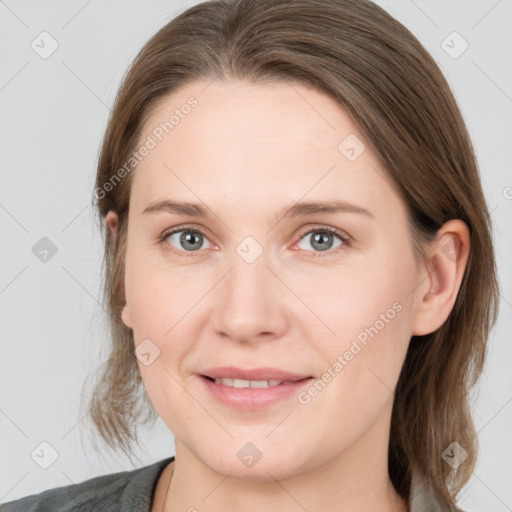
x=319, y=227
x=342, y=235
x=162, y=239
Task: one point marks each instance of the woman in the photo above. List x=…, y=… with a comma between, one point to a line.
x=246, y=136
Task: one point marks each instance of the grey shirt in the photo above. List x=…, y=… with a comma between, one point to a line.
x=132, y=491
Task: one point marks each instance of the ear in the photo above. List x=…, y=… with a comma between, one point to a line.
x=125, y=316
x=112, y=221
x=436, y=294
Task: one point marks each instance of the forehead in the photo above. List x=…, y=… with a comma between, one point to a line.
x=285, y=116
x=238, y=140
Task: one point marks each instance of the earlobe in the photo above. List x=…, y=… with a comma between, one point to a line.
x=125, y=316
x=112, y=221
x=445, y=270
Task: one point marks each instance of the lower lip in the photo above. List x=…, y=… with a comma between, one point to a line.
x=253, y=399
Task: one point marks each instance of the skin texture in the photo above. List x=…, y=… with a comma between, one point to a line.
x=245, y=152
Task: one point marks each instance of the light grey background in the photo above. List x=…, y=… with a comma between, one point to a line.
x=53, y=114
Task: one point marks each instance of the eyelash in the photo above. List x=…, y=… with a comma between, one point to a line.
x=162, y=239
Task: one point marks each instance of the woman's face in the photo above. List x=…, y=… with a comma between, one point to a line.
x=258, y=280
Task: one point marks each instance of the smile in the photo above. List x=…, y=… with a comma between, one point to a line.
x=251, y=395
x=241, y=383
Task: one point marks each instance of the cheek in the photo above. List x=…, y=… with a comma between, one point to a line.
x=160, y=294
x=360, y=368
x=163, y=309
x=345, y=302
x=368, y=315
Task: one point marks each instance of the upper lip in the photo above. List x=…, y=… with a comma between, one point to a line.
x=265, y=373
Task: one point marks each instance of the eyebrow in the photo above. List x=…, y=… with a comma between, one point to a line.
x=295, y=210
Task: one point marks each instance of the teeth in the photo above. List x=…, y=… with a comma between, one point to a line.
x=241, y=383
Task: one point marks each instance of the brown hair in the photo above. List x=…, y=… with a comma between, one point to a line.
x=356, y=53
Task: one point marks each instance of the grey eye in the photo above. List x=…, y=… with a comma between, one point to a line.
x=188, y=240
x=321, y=240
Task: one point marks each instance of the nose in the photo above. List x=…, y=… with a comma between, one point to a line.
x=250, y=303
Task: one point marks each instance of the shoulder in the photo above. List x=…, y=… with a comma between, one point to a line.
x=424, y=499
x=126, y=491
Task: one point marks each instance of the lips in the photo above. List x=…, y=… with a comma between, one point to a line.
x=255, y=374
x=252, y=389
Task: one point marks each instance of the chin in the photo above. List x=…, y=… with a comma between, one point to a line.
x=252, y=464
